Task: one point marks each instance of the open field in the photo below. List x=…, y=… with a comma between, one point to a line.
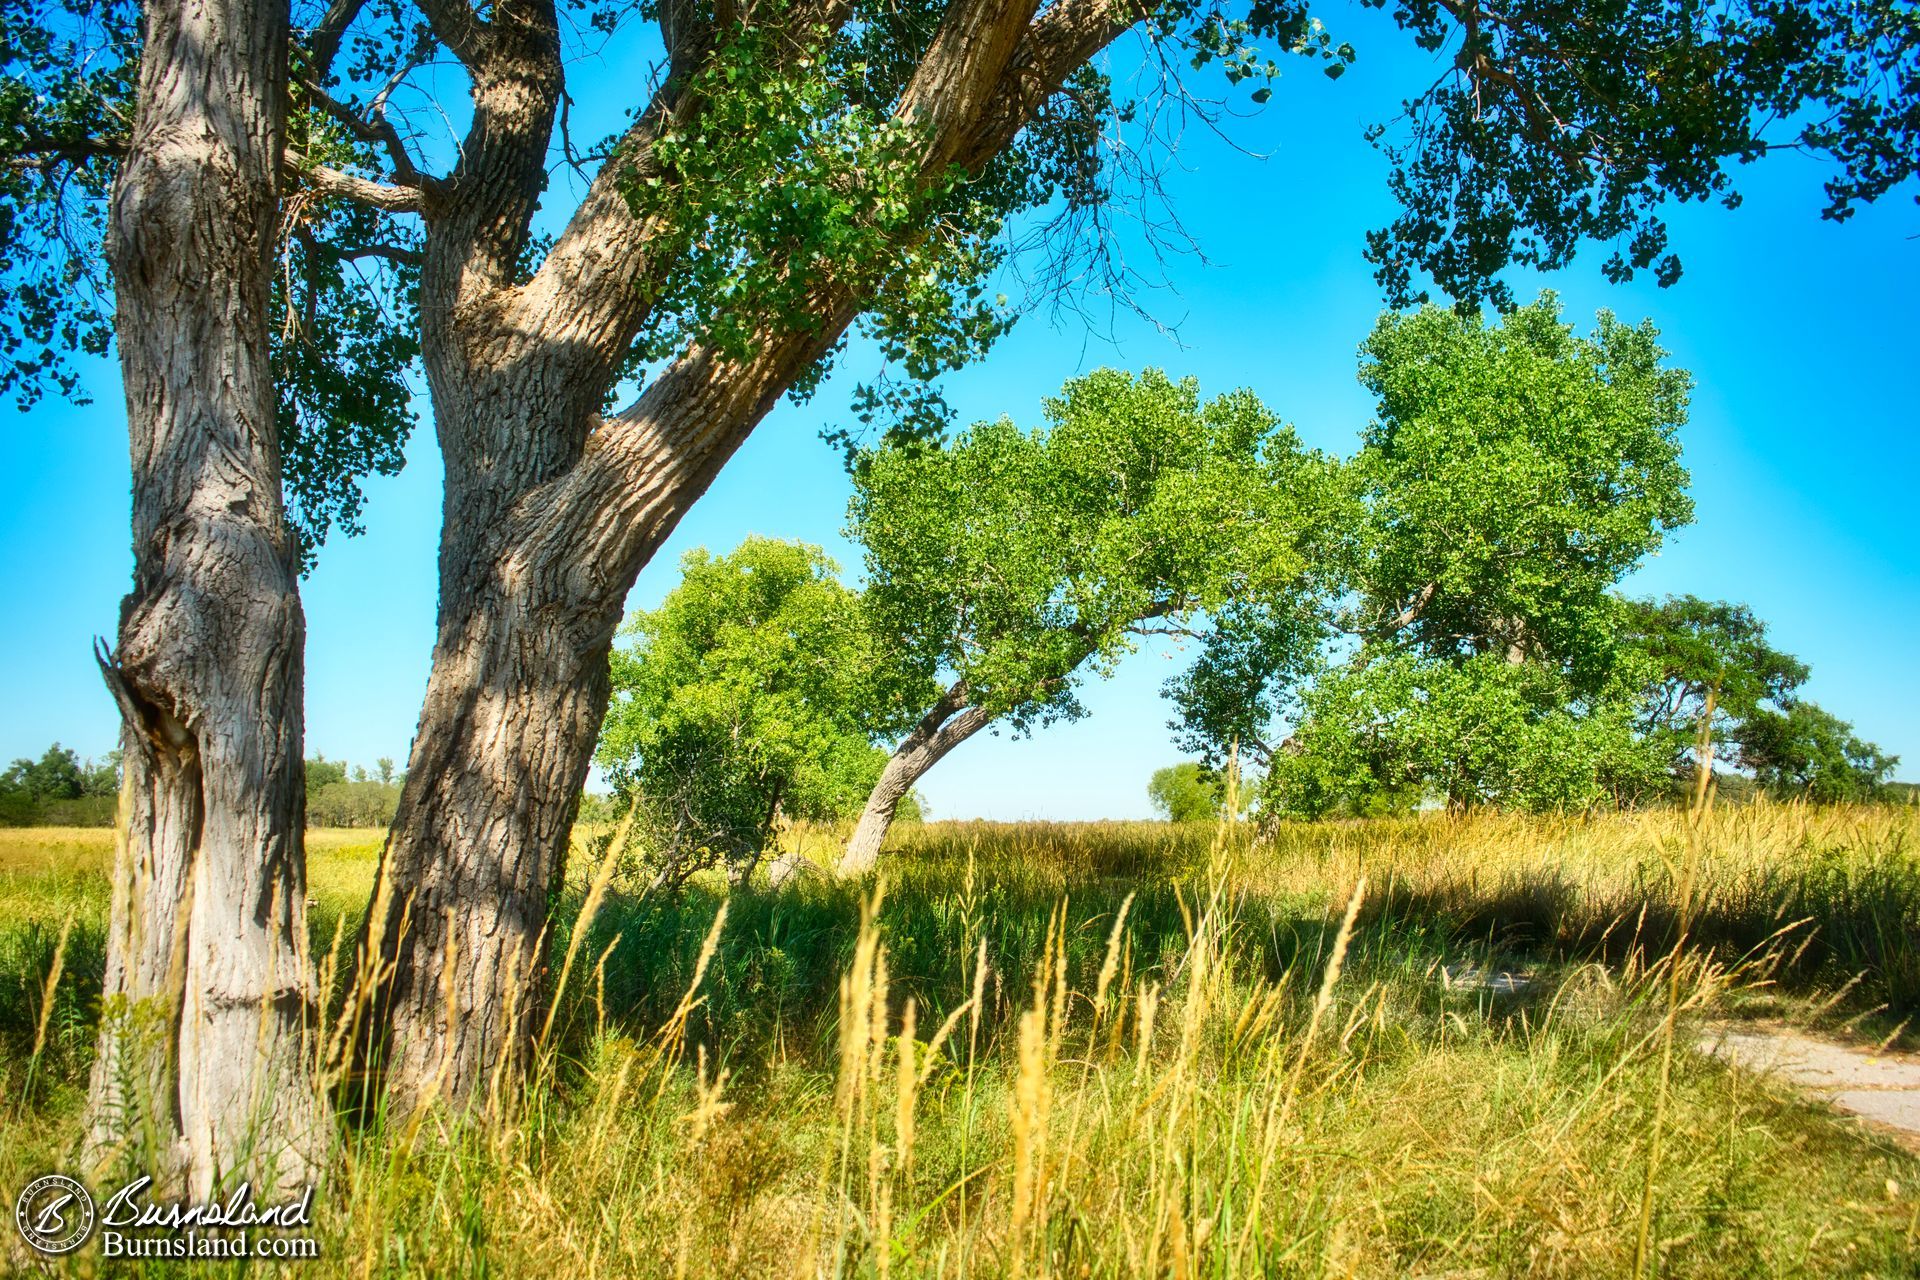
x=1132, y=1049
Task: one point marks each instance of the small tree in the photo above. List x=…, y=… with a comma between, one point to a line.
x=322, y=772
x=1004, y=565
x=1384, y=735
x=362, y=802
x=1707, y=645
x=1698, y=649
x=744, y=698
x=59, y=787
x=1805, y=751
x=56, y=775
x=1514, y=473
x=1186, y=792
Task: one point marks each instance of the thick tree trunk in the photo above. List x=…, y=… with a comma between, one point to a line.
x=532, y=593
x=551, y=511
x=203, y=1070
x=950, y=723
x=513, y=709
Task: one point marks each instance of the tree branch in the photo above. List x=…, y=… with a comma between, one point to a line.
x=484, y=211
x=38, y=152
x=585, y=304
x=1057, y=44
x=398, y=254
x=459, y=28
x=379, y=195
x=1407, y=616
x=960, y=76
x=589, y=292
x=324, y=42
x=378, y=130
x=968, y=722
x=687, y=33
x=354, y=252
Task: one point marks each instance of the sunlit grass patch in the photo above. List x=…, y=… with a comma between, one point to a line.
x=1126, y=1049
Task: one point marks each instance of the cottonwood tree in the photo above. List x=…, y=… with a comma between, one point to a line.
x=797, y=167
x=146, y=200
x=747, y=697
x=170, y=138
x=1514, y=473
x=803, y=166
x=1187, y=792
x=1386, y=734
x=1698, y=650
x=1805, y=751
x=1708, y=653
x=1002, y=566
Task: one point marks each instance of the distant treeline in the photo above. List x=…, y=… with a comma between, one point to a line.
x=343, y=795
x=59, y=790
x=62, y=790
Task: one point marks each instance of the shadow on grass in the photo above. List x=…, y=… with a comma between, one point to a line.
x=1830, y=923
x=1847, y=917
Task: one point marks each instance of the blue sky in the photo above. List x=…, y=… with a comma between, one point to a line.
x=1801, y=334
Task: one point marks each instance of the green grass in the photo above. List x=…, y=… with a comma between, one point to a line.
x=1186, y=1095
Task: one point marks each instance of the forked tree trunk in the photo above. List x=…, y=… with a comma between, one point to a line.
x=203, y=1065
x=950, y=723
x=531, y=598
x=552, y=511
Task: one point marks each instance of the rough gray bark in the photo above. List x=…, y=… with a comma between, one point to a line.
x=950, y=723
x=203, y=1063
x=514, y=704
x=551, y=510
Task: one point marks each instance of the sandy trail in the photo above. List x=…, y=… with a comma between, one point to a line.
x=1882, y=1088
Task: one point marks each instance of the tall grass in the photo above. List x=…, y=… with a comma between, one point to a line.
x=1134, y=1049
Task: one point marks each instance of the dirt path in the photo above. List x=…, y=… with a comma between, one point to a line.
x=1882, y=1088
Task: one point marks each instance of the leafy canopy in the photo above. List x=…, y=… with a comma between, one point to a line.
x=1513, y=474
x=1465, y=630
x=745, y=698
x=1388, y=733
x=1691, y=648
x=322, y=772
x=1004, y=561
x=1560, y=122
x=1694, y=647
x=59, y=789
x=66, y=83
x=1385, y=731
x=782, y=162
x=1187, y=792
x=60, y=774
x=1806, y=751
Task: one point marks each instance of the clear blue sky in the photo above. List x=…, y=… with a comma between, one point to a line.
x=1803, y=336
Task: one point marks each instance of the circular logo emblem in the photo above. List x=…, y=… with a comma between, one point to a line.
x=54, y=1214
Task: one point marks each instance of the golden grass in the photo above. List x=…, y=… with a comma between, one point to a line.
x=1135, y=1050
